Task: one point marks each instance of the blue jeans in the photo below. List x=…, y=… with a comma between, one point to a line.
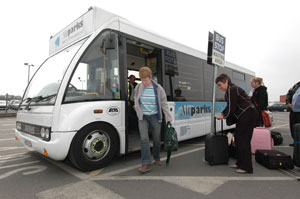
x=150, y=121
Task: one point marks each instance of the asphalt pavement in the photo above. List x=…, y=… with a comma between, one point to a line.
x=25, y=174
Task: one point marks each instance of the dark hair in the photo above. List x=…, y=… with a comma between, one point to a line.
x=222, y=78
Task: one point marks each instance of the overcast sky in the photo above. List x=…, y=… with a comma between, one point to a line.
x=261, y=35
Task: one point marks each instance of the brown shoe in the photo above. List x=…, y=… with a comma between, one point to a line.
x=144, y=168
x=157, y=163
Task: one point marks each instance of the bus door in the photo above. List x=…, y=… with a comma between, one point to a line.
x=139, y=55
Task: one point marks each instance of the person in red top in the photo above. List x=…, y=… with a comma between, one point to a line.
x=240, y=107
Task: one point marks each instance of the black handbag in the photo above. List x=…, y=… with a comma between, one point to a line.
x=231, y=119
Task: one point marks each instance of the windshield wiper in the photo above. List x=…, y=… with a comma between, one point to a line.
x=37, y=99
x=48, y=97
x=29, y=100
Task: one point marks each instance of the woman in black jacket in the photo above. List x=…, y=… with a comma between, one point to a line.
x=259, y=98
x=240, y=107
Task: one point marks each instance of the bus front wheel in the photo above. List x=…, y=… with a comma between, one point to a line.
x=93, y=146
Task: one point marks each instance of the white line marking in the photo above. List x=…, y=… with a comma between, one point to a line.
x=7, y=134
x=282, y=146
x=70, y=170
x=291, y=173
x=201, y=184
x=137, y=166
x=6, y=129
x=21, y=164
x=276, y=127
x=82, y=189
x=4, y=157
x=37, y=167
x=205, y=178
x=14, y=158
x=10, y=148
x=7, y=139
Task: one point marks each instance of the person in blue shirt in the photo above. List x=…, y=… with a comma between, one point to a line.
x=150, y=101
x=294, y=110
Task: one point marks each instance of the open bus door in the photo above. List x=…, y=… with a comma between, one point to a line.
x=138, y=55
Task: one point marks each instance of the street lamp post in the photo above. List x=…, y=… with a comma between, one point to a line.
x=27, y=64
x=82, y=81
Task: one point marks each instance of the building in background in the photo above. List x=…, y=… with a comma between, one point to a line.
x=282, y=98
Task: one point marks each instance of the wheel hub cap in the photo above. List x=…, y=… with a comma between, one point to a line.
x=96, y=145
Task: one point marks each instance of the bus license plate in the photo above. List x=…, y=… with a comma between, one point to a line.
x=28, y=143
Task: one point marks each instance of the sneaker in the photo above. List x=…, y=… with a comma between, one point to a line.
x=234, y=166
x=157, y=163
x=144, y=168
x=241, y=171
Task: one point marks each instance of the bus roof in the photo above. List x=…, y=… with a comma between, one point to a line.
x=97, y=18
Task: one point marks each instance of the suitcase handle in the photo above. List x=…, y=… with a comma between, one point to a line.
x=215, y=123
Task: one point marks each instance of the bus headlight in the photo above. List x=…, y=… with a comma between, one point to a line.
x=18, y=126
x=45, y=133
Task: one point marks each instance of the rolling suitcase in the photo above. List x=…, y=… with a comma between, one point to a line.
x=273, y=159
x=216, y=148
x=261, y=139
x=277, y=137
x=296, y=154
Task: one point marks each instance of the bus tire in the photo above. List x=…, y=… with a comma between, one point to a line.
x=93, y=146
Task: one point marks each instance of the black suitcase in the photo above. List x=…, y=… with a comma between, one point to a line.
x=296, y=154
x=277, y=137
x=273, y=159
x=216, y=148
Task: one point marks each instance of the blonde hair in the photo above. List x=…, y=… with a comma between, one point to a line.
x=259, y=80
x=145, y=72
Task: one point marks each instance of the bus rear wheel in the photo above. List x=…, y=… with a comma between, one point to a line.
x=93, y=146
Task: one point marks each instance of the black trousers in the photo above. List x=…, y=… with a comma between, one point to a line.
x=243, y=135
x=259, y=120
x=294, y=119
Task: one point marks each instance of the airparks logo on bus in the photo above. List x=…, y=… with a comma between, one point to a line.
x=57, y=41
x=75, y=28
x=113, y=110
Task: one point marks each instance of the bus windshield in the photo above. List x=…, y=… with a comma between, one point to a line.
x=96, y=76
x=44, y=85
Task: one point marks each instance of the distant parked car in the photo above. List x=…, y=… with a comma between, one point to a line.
x=14, y=104
x=278, y=107
x=2, y=104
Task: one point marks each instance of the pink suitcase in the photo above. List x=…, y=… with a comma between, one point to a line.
x=261, y=139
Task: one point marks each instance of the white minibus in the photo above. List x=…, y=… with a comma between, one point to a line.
x=76, y=104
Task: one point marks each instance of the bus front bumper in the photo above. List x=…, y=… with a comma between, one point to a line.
x=57, y=148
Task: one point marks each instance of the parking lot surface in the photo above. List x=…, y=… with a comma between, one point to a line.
x=25, y=174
